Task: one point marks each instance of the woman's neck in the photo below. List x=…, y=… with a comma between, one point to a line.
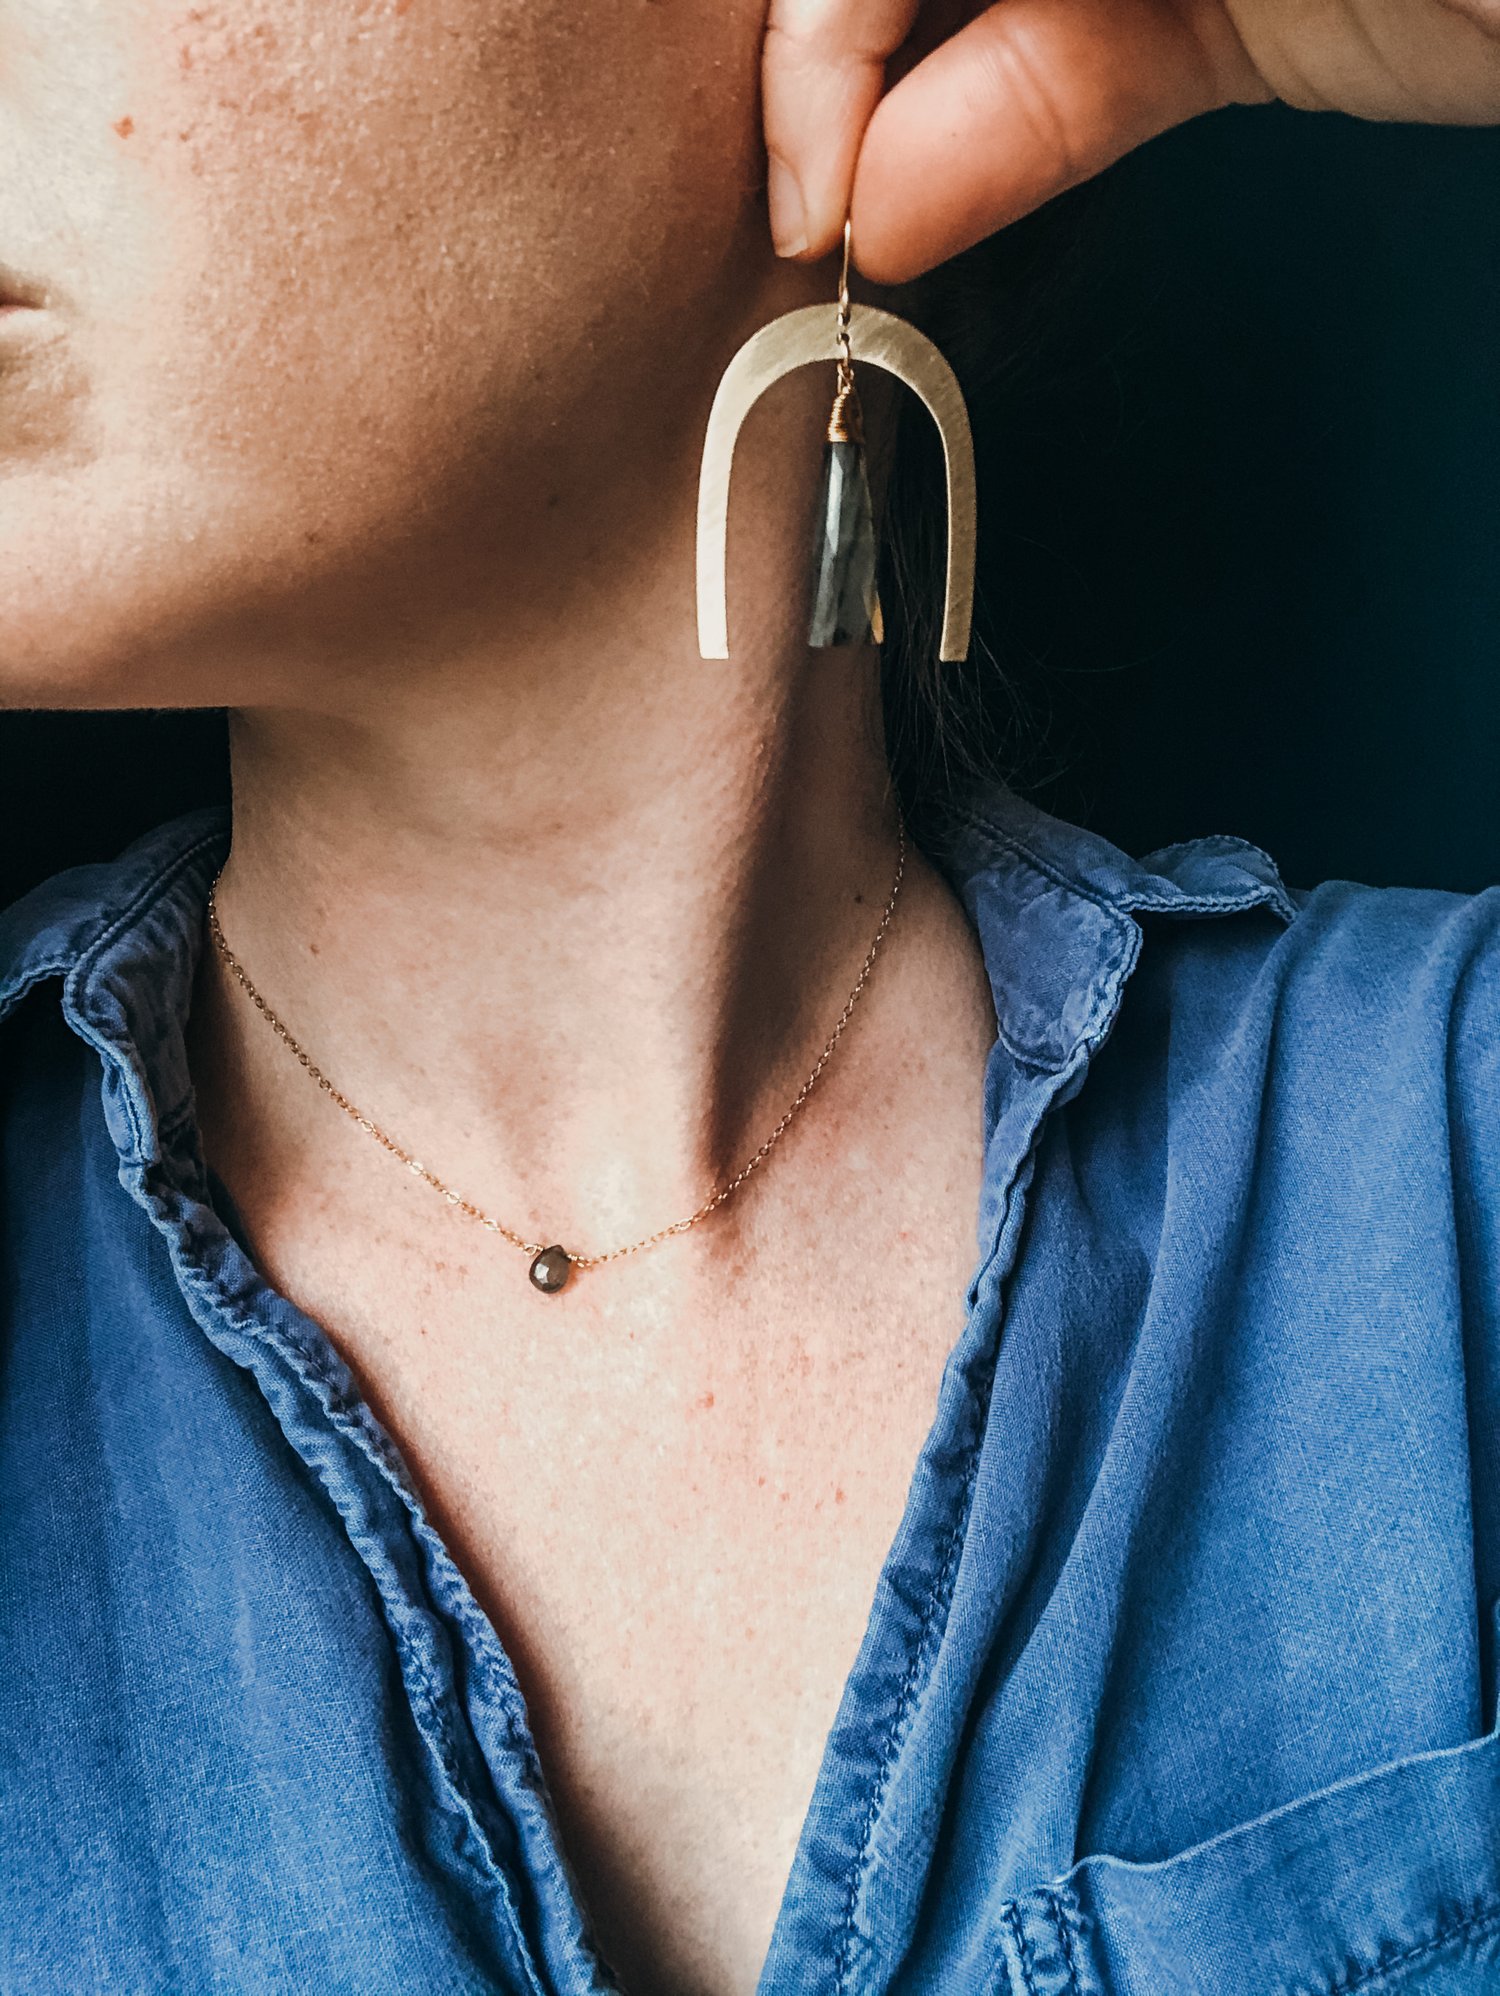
x=566, y=908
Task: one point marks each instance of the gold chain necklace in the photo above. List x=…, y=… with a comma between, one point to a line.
x=552, y=1266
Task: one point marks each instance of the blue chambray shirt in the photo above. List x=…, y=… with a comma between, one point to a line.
x=1181, y=1672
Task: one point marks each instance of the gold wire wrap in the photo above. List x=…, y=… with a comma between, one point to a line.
x=846, y=421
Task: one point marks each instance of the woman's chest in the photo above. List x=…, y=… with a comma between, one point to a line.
x=677, y=1536
x=682, y=1636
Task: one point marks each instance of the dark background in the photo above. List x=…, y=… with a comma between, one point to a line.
x=1242, y=528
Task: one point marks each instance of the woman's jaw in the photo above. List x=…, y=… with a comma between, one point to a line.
x=372, y=351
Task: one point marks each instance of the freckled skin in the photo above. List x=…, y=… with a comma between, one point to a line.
x=377, y=324
x=345, y=292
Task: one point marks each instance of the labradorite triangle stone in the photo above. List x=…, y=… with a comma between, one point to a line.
x=843, y=601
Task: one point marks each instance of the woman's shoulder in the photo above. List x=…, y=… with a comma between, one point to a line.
x=1207, y=938
x=1353, y=987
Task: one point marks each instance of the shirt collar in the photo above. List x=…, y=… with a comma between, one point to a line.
x=124, y=937
x=1055, y=908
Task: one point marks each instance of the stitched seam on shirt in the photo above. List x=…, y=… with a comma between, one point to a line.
x=1274, y=892
x=1485, y=1914
x=1130, y=933
x=1220, y=841
x=1271, y=893
x=943, y=1585
x=1028, y=1981
x=1267, y=893
x=935, y=1599
x=1202, y=904
x=992, y=830
x=1060, y=1914
x=153, y=891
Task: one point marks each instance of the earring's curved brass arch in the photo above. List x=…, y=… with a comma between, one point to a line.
x=797, y=339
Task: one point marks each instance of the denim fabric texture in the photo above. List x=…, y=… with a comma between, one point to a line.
x=1180, y=1676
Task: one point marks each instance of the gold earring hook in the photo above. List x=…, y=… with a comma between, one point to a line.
x=846, y=358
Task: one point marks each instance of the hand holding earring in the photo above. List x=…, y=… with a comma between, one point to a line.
x=1027, y=97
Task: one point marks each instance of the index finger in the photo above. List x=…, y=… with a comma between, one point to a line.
x=822, y=72
x=1031, y=97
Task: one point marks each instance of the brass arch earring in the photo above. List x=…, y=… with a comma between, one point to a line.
x=846, y=608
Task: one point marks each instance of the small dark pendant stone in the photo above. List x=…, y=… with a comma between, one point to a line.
x=844, y=608
x=551, y=1269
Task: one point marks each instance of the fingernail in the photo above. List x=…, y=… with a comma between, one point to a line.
x=788, y=215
